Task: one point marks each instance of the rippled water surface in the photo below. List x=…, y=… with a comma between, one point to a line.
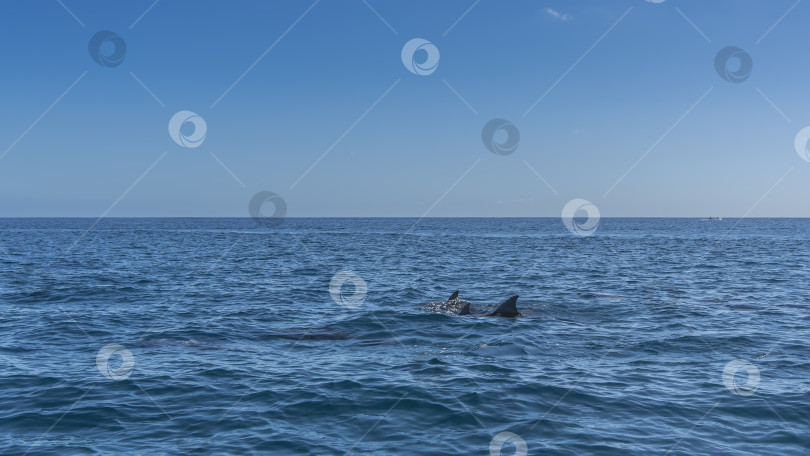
x=239, y=348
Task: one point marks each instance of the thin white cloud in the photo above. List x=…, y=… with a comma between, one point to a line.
x=558, y=15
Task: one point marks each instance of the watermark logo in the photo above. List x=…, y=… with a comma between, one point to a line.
x=751, y=383
x=186, y=119
x=123, y=371
x=577, y=226
x=336, y=289
x=506, y=437
x=262, y=219
x=107, y=48
x=500, y=136
x=733, y=64
x=420, y=56
x=802, y=144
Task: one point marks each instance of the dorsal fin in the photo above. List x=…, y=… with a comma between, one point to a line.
x=465, y=310
x=507, y=309
x=453, y=296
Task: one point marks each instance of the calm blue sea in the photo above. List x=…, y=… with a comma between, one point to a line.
x=218, y=336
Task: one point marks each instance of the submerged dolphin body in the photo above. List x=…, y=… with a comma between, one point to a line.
x=455, y=306
x=588, y=294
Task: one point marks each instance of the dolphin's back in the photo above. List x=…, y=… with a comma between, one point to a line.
x=507, y=309
x=453, y=306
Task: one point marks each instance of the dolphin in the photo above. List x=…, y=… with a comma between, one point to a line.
x=453, y=306
x=507, y=309
x=456, y=306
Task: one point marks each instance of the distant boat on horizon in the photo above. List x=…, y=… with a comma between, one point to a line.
x=714, y=218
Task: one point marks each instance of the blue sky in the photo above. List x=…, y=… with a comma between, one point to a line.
x=622, y=79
